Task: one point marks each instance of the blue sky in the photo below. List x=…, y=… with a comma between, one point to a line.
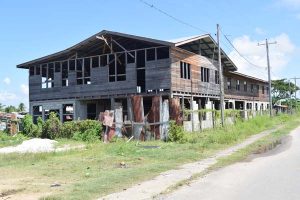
x=34, y=28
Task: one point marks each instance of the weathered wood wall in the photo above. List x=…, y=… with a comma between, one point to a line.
x=241, y=94
x=195, y=84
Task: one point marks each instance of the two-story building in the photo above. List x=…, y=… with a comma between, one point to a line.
x=103, y=71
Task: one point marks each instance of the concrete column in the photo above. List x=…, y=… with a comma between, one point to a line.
x=195, y=116
x=112, y=103
x=61, y=113
x=43, y=113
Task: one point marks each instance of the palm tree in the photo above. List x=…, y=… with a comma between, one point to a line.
x=21, y=107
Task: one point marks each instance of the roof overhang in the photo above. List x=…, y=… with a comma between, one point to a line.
x=206, y=46
x=250, y=77
x=88, y=42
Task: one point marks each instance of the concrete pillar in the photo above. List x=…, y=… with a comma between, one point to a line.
x=195, y=116
x=61, y=116
x=112, y=103
x=43, y=113
x=164, y=118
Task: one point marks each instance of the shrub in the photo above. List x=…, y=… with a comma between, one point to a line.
x=89, y=135
x=68, y=129
x=176, y=133
x=52, y=127
x=88, y=130
x=28, y=125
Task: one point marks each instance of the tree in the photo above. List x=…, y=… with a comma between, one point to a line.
x=2, y=106
x=21, y=107
x=10, y=109
x=282, y=89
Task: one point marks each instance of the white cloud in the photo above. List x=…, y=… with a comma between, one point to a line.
x=24, y=89
x=260, y=31
x=293, y=4
x=7, y=96
x=7, y=81
x=280, y=55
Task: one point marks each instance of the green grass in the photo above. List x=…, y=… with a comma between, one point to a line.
x=268, y=142
x=7, y=140
x=95, y=171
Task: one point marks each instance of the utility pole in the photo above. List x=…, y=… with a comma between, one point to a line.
x=295, y=82
x=269, y=74
x=220, y=77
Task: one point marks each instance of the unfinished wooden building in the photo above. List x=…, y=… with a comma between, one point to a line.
x=103, y=71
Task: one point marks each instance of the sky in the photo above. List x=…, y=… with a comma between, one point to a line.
x=34, y=28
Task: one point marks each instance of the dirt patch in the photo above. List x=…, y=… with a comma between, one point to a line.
x=10, y=192
x=275, y=147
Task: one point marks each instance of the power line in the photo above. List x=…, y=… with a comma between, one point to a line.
x=172, y=17
x=246, y=59
x=199, y=29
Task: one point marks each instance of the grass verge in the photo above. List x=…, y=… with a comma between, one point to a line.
x=8, y=140
x=96, y=171
x=263, y=145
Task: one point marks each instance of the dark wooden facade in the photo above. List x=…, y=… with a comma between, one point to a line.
x=116, y=65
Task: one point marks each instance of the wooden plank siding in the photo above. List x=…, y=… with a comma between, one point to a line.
x=157, y=76
x=242, y=94
x=196, y=62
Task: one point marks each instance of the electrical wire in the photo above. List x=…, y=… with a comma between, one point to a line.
x=172, y=17
x=246, y=59
x=199, y=29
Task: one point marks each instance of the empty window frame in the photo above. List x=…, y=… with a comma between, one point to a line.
x=37, y=70
x=267, y=90
x=238, y=85
x=185, y=70
x=50, y=80
x=44, y=76
x=117, y=67
x=95, y=61
x=87, y=71
x=103, y=60
x=71, y=65
x=79, y=71
x=228, y=83
x=162, y=52
x=257, y=88
x=83, y=71
x=151, y=54
x=31, y=70
x=37, y=111
x=64, y=73
x=47, y=75
x=217, y=77
x=57, y=66
x=68, y=112
x=252, y=88
x=121, y=67
x=263, y=89
x=245, y=86
x=112, y=68
x=130, y=57
x=204, y=74
x=140, y=59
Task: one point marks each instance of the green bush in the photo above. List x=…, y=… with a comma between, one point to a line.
x=52, y=127
x=68, y=129
x=88, y=130
x=176, y=133
x=28, y=125
x=89, y=135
